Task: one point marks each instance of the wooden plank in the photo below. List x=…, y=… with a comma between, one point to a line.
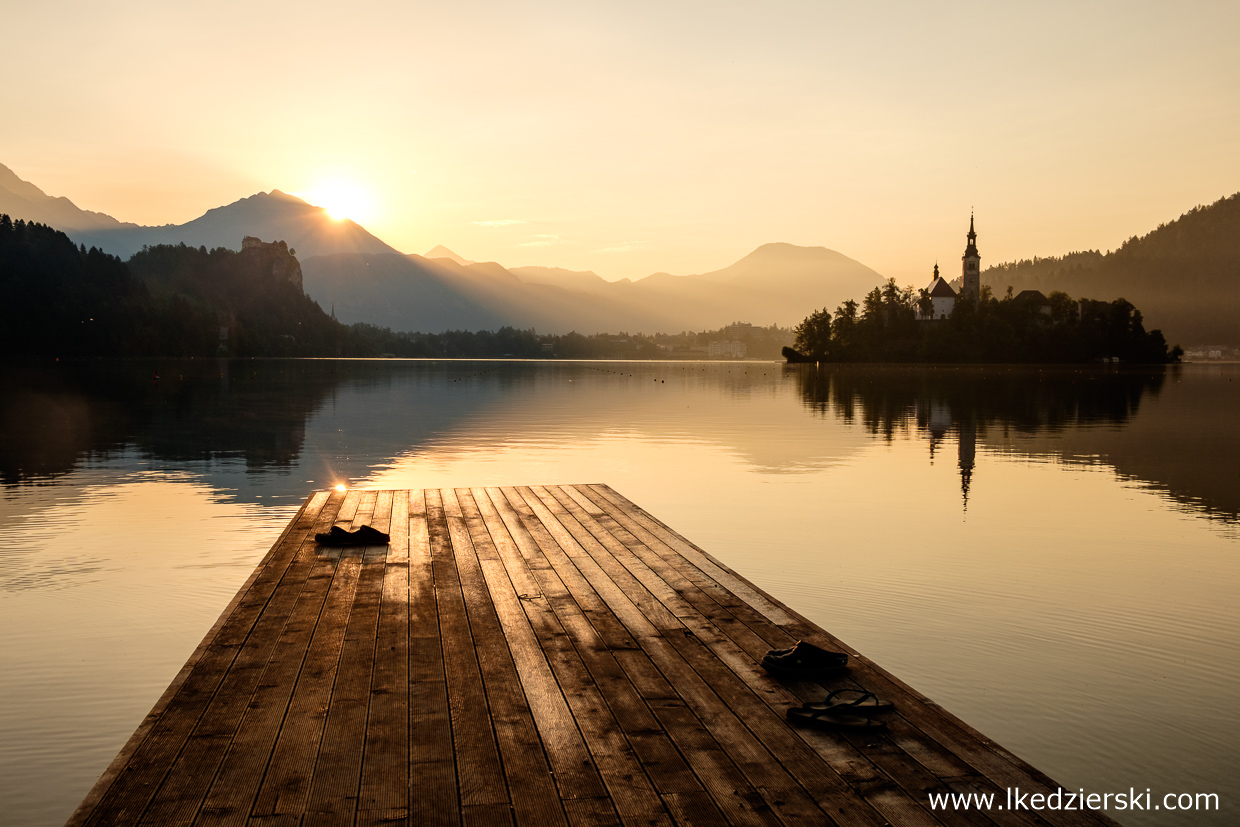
x=480, y=776
x=433, y=776
x=385, y=767
x=286, y=787
x=762, y=706
x=569, y=758
x=335, y=785
x=236, y=784
x=689, y=733
x=533, y=794
x=693, y=606
x=772, y=610
x=627, y=785
x=982, y=755
x=589, y=624
x=151, y=760
x=753, y=631
x=309, y=512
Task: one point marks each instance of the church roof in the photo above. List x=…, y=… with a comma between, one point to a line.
x=940, y=289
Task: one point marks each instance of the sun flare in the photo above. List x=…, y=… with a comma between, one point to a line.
x=342, y=199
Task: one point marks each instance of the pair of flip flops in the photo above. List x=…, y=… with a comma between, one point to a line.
x=843, y=708
x=804, y=660
x=361, y=536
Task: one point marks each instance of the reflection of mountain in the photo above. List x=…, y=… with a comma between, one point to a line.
x=1173, y=440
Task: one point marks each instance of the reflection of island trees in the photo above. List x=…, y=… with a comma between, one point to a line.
x=891, y=399
x=1183, y=442
x=198, y=410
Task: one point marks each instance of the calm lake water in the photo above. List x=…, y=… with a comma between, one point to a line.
x=1052, y=555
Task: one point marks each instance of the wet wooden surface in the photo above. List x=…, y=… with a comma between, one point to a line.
x=531, y=656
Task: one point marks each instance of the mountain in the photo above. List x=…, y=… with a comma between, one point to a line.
x=777, y=283
x=440, y=251
x=21, y=199
x=271, y=216
x=434, y=295
x=568, y=279
x=1184, y=275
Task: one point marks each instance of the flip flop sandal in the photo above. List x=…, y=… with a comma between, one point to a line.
x=831, y=719
x=362, y=536
x=864, y=703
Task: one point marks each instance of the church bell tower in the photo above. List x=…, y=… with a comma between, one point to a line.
x=972, y=272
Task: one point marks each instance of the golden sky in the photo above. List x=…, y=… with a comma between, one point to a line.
x=632, y=137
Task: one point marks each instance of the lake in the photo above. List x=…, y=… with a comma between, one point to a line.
x=1051, y=554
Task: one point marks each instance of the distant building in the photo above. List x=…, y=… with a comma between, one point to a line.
x=284, y=264
x=942, y=297
x=1035, y=298
x=972, y=269
x=739, y=328
x=734, y=349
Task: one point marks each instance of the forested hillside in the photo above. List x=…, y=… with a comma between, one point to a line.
x=62, y=300
x=1184, y=275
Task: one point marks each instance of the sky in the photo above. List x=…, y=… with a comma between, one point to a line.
x=634, y=137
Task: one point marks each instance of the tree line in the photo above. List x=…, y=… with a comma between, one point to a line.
x=885, y=327
x=58, y=299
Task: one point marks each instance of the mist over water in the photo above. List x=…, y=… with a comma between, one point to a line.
x=1050, y=554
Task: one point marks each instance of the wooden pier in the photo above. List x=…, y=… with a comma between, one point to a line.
x=531, y=656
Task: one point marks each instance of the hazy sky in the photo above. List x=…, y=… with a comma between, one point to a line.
x=630, y=137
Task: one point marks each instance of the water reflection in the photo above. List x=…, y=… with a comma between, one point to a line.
x=1028, y=547
x=204, y=412
x=1183, y=445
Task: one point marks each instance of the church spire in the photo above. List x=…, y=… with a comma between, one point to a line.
x=972, y=265
x=971, y=250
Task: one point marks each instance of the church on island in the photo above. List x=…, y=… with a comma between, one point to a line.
x=942, y=297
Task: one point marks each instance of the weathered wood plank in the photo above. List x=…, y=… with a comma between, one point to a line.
x=286, y=787
x=385, y=768
x=586, y=691
x=480, y=775
x=241, y=771
x=433, y=776
x=533, y=795
x=171, y=724
x=570, y=759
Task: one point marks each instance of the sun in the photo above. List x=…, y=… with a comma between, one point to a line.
x=342, y=199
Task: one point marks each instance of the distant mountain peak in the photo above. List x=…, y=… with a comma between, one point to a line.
x=440, y=251
x=9, y=181
x=22, y=199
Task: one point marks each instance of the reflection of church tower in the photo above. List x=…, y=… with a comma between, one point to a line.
x=972, y=266
x=967, y=448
